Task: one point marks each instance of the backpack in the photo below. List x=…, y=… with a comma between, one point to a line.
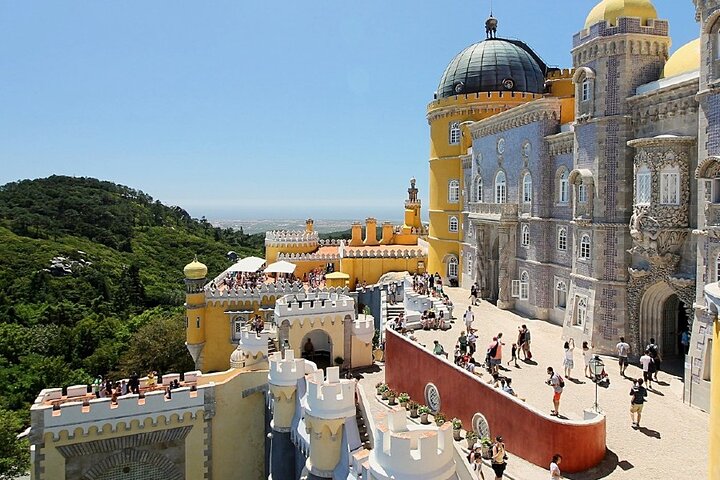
x=493, y=350
x=561, y=382
x=653, y=351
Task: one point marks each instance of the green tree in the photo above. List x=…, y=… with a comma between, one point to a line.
x=14, y=453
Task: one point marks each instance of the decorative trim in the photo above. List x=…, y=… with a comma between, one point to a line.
x=538, y=110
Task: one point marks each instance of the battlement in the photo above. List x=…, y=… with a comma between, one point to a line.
x=321, y=302
x=363, y=328
x=285, y=372
x=384, y=252
x=411, y=451
x=330, y=397
x=625, y=25
x=309, y=257
x=290, y=237
x=482, y=97
x=249, y=294
x=252, y=348
x=560, y=74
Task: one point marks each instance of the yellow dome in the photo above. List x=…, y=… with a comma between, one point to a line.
x=195, y=270
x=685, y=59
x=611, y=10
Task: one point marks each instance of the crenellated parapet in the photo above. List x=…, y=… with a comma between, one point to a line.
x=411, y=451
x=333, y=301
x=396, y=252
x=309, y=257
x=285, y=372
x=328, y=397
x=252, y=349
x=252, y=294
x=284, y=238
x=625, y=25
x=363, y=328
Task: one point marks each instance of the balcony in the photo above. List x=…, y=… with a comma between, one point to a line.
x=493, y=211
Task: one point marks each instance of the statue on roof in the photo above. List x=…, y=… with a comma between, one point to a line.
x=491, y=27
x=412, y=191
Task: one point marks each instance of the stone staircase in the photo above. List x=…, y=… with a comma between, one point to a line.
x=362, y=428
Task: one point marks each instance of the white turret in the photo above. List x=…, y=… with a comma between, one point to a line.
x=411, y=452
x=285, y=372
x=252, y=348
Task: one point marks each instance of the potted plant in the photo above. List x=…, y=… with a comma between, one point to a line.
x=439, y=419
x=457, y=426
x=486, y=447
x=424, y=411
x=392, y=395
x=471, y=438
x=413, y=407
x=380, y=387
x=404, y=398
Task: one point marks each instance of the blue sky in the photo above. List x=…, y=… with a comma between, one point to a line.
x=250, y=109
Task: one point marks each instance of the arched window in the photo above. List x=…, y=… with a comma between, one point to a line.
x=581, y=305
x=670, y=186
x=525, y=235
x=560, y=294
x=454, y=134
x=478, y=190
x=564, y=193
x=562, y=239
x=524, y=286
x=585, y=247
x=453, y=191
x=500, y=187
x=582, y=192
x=643, y=186
x=453, y=224
x=452, y=267
x=527, y=188
x=585, y=89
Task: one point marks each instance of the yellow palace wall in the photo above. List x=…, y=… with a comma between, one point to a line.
x=330, y=324
x=714, y=451
x=371, y=269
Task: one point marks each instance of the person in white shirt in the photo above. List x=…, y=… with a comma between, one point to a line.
x=555, y=467
x=646, y=361
x=623, y=350
x=469, y=318
x=569, y=361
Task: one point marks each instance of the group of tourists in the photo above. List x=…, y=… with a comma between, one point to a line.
x=104, y=387
x=431, y=321
x=232, y=280
x=426, y=284
x=315, y=278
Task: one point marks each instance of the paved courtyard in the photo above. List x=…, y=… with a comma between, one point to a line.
x=672, y=442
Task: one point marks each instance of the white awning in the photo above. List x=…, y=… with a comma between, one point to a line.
x=247, y=264
x=281, y=267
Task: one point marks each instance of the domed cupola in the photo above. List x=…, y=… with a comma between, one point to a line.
x=493, y=65
x=611, y=10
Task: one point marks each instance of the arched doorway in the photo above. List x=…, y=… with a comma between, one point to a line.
x=663, y=316
x=493, y=270
x=322, y=348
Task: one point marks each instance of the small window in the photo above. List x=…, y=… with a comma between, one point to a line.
x=585, y=247
x=670, y=186
x=562, y=239
x=452, y=267
x=585, y=89
x=469, y=263
x=197, y=322
x=453, y=224
x=582, y=192
x=560, y=294
x=527, y=188
x=479, y=190
x=454, y=137
x=500, y=188
x=581, y=305
x=525, y=235
x=187, y=321
x=564, y=187
x=643, y=186
x=453, y=191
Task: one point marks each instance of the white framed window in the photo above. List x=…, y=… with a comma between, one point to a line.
x=525, y=235
x=585, y=247
x=453, y=191
x=527, y=188
x=521, y=288
x=500, y=187
x=469, y=263
x=585, y=89
x=582, y=192
x=564, y=193
x=453, y=224
x=478, y=189
x=454, y=134
x=670, y=186
x=452, y=267
x=562, y=239
x=581, y=306
x=643, y=186
x=560, y=294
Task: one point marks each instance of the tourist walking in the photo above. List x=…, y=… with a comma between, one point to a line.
x=473, y=294
x=513, y=357
x=647, y=365
x=569, y=361
x=499, y=456
x=587, y=357
x=469, y=318
x=475, y=459
x=654, y=352
x=638, y=394
x=528, y=353
x=623, y=350
x=472, y=343
x=521, y=341
x=685, y=341
x=557, y=383
x=555, y=467
x=463, y=342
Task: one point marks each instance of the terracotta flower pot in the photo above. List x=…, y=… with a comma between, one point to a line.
x=424, y=419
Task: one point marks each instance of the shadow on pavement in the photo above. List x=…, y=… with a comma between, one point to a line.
x=649, y=433
x=605, y=468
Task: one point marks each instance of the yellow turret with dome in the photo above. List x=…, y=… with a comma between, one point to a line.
x=611, y=10
x=686, y=59
x=195, y=270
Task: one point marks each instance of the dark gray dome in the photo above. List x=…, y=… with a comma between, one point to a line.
x=494, y=65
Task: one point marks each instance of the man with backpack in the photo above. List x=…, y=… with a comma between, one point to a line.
x=557, y=382
x=654, y=352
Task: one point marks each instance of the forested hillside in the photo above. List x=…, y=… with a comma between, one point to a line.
x=91, y=284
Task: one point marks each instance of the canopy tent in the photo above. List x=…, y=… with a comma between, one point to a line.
x=247, y=264
x=281, y=267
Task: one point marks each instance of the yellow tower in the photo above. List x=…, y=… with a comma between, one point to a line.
x=486, y=78
x=195, y=276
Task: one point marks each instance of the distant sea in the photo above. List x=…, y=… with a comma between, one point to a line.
x=261, y=226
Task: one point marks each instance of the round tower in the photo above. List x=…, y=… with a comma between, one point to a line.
x=195, y=277
x=252, y=350
x=283, y=377
x=330, y=401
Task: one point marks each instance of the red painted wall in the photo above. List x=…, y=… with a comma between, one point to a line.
x=527, y=433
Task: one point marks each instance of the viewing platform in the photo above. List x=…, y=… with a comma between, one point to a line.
x=493, y=211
